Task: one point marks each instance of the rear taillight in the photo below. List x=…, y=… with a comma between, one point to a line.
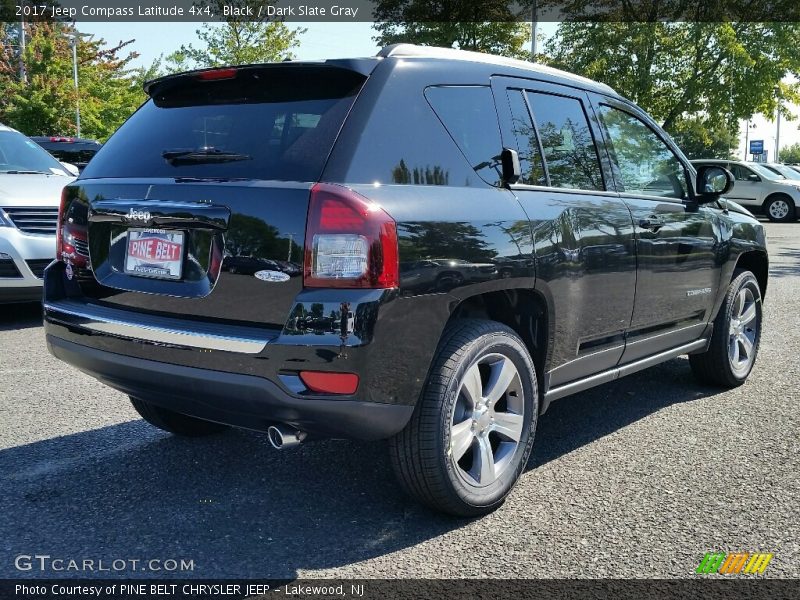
x=64, y=249
x=350, y=241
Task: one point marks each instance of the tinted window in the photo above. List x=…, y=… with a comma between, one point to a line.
x=277, y=122
x=468, y=114
x=567, y=142
x=646, y=165
x=530, y=159
x=741, y=173
x=18, y=153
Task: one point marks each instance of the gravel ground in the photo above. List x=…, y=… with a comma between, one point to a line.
x=638, y=478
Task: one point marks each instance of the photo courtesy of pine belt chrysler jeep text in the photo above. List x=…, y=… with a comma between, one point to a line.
x=428, y=246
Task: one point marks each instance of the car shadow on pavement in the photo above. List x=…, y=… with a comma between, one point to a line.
x=785, y=263
x=20, y=316
x=237, y=508
x=580, y=419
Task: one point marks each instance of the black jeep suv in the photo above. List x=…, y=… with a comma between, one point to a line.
x=623, y=257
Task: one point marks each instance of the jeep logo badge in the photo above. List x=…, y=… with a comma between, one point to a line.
x=272, y=276
x=138, y=215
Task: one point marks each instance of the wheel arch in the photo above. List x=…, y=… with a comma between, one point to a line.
x=755, y=261
x=772, y=195
x=524, y=310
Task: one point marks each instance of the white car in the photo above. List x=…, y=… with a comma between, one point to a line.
x=760, y=188
x=31, y=181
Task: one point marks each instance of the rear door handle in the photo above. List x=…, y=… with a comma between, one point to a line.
x=653, y=223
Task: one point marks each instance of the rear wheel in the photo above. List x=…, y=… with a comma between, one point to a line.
x=174, y=422
x=473, y=428
x=780, y=208
x=737, y=333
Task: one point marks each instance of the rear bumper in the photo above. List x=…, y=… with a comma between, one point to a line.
x=235, y=399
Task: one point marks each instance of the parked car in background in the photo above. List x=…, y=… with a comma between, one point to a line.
x=248, y=265
x=31, y=182
x=625, y=255
x=443, y=274
x=784, y=170
x=760, y=188
x=76, y=151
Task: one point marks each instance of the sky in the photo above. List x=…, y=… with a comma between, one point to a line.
x=337, y=40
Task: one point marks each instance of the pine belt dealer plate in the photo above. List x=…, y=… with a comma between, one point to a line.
x=155, y=253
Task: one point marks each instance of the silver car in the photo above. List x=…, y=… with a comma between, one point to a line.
x=30, y=193
x=761, y=189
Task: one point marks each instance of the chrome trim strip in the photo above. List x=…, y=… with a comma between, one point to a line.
x=71, y=313
x=621, y=371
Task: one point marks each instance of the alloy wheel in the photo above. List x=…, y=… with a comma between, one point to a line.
x=487, y=420
x=743, y=331
x=779, y=209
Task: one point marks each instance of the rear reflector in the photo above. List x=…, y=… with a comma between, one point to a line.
x=216, y=74
x=330, y=383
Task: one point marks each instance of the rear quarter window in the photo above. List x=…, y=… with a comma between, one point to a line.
x=276, y=122
x=469, y=115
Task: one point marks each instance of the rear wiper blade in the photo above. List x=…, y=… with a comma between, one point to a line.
x=206, y=154
x=20, y=172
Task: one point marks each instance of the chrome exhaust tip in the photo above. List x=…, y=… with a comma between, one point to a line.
x=283, y=437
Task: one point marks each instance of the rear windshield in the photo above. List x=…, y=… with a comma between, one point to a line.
x=277, y=122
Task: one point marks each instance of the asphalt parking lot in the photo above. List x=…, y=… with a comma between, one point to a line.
x=638, y=478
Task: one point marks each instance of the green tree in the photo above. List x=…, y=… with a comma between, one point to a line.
x=236, y=41
x=686, y=73
x=790, y=154
x=44, y=103
x=700, y=137
x=488, y=26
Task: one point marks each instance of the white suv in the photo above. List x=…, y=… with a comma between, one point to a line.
x=761, y=188
x=30, y=192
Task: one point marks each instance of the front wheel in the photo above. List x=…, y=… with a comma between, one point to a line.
x=734, y=343
x=780, y=209
x=472, y=430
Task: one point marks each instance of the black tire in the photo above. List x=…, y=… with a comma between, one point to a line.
x=173, y=422
x=422, y=455
x=780, y=208
x=715, y=366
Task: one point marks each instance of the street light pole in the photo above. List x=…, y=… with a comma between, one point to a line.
x=778, y=134
x=23, y=76
x=534, y=27
x=73, y=41
x=747, y=136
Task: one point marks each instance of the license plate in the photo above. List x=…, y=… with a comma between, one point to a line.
x=154, y=253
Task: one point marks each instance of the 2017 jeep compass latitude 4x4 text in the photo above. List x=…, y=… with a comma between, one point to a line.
x=569, y=243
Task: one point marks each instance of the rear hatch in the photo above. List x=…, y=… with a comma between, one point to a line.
x=216, y=167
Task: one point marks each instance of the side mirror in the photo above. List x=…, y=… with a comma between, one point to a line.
x=71, y=169
x=511, y=169
x=712, y=182
x=753, y=177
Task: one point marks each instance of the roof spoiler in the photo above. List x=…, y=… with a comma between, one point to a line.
x=364, y=66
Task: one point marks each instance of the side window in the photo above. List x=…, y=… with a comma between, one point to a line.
x=567, y=142
x=741, y=173
x=646, y=165
x=530, y=159
x=468, y=114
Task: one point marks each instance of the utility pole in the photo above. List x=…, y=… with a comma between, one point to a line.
x=778, y=134
x=291, y=239
x=23, y=76
x=534, y=27
x=73, y=42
